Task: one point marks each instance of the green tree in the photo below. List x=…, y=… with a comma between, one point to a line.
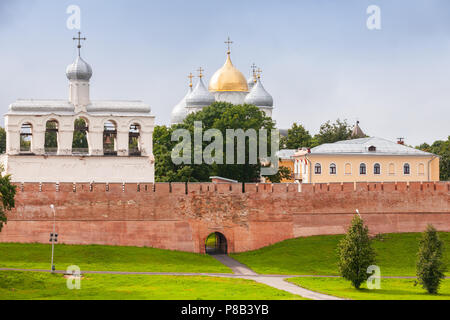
x=220, y=116
x=356, y=253
x=332, y=132
x=80, y=135
x=298, y=137
x=2, y=140
x=51, y=136
x=7, y=192
x=430, y=266
x=442, y=149
x=283, y=173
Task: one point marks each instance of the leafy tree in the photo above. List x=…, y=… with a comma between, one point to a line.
x=430, y=266
x=442, y=149
x=298, y=137
x=220, y=116
x=79, y=135
x=7, y=192
x=282, y=174
x=356, y=253
x=2, y=140
x=332, y=132
x=51, y=138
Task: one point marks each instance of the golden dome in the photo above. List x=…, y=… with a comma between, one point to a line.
x=228, y=78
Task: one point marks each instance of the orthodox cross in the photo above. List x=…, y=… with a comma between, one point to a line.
x=259, y=71
x=254, y=67
x=229, y=43
x=79, y=42
x=200, y=72
x=190, y=76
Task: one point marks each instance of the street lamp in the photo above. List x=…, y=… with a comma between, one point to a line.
x=53, y=237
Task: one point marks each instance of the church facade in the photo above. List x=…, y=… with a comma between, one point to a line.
x=79, y=140
x=228, y=84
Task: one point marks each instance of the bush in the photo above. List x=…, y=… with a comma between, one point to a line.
x=430, y=265
x=356, y=253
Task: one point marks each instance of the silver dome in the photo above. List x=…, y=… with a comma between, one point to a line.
x=179, y=112
x=258, y=96
x=250, y=83
x=79, y=70
x=200, y=97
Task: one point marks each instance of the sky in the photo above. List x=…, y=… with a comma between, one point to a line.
x=319, y=60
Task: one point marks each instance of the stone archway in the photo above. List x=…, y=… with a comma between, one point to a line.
x=216, y=243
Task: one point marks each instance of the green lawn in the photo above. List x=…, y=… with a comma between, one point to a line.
x=45, y=286
x=396, y=255
x=107, y=258
x=391, y=289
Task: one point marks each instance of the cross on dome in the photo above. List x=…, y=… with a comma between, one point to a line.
x=229, y=43
x=79, y=42
x=200, y=72
x=190, y=77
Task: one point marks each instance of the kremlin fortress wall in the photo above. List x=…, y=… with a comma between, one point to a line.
x=180, y=216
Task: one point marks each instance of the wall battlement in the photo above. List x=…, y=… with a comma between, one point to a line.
x=180, y=216
x=235, y=188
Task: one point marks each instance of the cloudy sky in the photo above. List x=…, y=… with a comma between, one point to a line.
x=320, y=62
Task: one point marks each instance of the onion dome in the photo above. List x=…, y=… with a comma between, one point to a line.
x=251, y=82
x=258, y=96
x=79, y=70
x=179, y=113
x=200, y=96
x=228, y=78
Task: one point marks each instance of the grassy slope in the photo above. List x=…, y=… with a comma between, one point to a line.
x=106, y=258
x=391, y=289
x=44, y=286
x=396, y=255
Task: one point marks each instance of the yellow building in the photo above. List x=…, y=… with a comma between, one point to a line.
x=366, y=160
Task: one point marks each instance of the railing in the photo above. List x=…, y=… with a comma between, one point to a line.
x=80, y=151
x=134, y=152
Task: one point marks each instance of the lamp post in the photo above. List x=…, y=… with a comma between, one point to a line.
x=53, y=236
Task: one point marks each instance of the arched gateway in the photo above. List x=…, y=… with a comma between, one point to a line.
x=216, y=243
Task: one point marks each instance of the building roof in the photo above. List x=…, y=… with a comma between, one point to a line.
x=357, y=132
x=64, y=107
x=362, y=146
x=286, y=154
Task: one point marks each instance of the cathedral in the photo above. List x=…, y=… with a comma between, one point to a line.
x=228, y=84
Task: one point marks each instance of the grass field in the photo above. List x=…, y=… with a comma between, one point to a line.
x=391, y=289
x=106, y=258
x=396, y=255
x=45, y=286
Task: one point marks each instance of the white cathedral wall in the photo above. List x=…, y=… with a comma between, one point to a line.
x=79, y=169
x=233, y=97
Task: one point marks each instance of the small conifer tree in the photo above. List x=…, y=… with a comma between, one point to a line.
x=430, y=266
x=356, y=253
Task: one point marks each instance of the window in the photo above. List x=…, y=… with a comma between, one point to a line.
x=348, y=168
x=317, y=169
x=134, y=143
x=421, y=169
x=26, y=137
x=110, y=139
x=80, y=134
x=362, y=168
x=406, y=169
x=51, y=137
x=333, y=169
x=391, y=169
x=377, y=168
x=372, y=149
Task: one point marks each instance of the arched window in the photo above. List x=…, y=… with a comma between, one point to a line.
x=80, y=140
x=392, y=169
x=376, y=168
x=51, y=137
x=134, y=141
x=333, y=169
x=362, y=169
x=317, y=169
x=110, y=139
x=406, y=168
x=421, y=169
x=348, y=168
x=26, y=137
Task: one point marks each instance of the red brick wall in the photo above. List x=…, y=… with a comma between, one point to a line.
x=180, y=217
